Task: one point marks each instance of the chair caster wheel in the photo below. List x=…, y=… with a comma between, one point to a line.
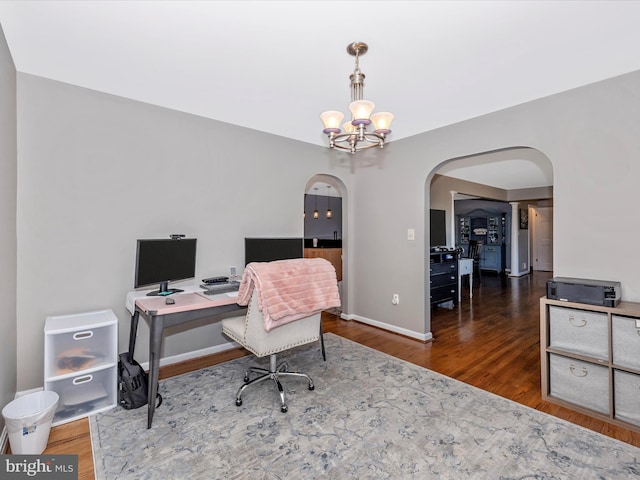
x=311, y=386
x=284, y=409
x=246, y=379
x=238, y=402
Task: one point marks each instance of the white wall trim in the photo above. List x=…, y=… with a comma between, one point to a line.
x=392, y=328
x=194, y=354
x=25, y=392
x=519, y=274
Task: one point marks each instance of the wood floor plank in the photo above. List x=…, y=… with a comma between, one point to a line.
x=491, y=341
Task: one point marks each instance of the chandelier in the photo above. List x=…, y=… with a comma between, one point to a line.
x=355, y=135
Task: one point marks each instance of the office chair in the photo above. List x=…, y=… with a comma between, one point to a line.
x=475, y=247
x=249, y=331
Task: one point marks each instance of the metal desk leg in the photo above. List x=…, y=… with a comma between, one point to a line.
x=324, y=355
x=133, y=332
x=155, y=345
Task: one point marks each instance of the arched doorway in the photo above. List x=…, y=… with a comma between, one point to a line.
x=526, y=183
x=325, y=226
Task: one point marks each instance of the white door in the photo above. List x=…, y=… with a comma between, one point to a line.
x=543, y=239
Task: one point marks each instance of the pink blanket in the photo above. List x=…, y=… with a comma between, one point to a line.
x=289, y=290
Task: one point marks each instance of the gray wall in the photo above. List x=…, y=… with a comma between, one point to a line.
x=8, y=253
x=96, y=172
x=590, y=136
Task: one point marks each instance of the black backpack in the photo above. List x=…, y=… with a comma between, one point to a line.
x=132, y=383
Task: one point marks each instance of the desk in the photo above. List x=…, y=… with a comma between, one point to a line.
x=465, y=267
x=190, y=306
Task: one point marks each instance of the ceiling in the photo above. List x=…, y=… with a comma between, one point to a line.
x=274, y=66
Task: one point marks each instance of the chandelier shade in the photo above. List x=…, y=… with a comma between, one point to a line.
x=355, y=134
x=382, y=121
x=332, y=121
x=361, y=111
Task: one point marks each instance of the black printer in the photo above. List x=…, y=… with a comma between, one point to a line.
x=581, y=290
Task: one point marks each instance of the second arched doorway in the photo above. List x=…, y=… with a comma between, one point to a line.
x=326, y=226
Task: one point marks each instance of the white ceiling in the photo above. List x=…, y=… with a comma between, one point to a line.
x=275, y=65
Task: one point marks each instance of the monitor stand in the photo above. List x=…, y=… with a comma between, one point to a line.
x=164, y=290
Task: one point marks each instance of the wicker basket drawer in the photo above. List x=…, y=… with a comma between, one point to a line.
x=626, y=387
x=625, y=336
x=579, y=331
x=582, y=383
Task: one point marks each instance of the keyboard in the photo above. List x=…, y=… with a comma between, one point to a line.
x=217, y=288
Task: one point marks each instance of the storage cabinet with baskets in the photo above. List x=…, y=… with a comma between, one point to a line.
x=80, y=363
x=590, y=359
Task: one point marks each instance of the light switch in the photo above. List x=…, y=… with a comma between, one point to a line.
x=411, y=234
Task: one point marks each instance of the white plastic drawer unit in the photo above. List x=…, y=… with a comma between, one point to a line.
x=79, y=342
x=85, y=393
x=81, y=363
x=627, y=396
x=579, y=331
x=578, y=382
x=625, y=336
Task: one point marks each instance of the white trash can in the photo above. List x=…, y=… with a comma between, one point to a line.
x=28, y=419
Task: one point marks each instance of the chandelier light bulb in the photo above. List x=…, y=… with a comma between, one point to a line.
x=349, y=127
x=361, y=110
x=332, y=119
x=382, y=121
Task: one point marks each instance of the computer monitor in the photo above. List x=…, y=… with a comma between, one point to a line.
x=438, y=228
x=271, y=249
x=160, y=261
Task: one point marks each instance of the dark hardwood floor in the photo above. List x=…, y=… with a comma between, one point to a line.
x=491, y=341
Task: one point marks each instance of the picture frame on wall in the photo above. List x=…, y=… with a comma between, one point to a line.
x=524, y=219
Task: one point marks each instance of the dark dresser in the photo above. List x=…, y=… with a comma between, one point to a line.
x=443, y=270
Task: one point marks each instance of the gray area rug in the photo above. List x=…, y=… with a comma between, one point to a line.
x=371, y=416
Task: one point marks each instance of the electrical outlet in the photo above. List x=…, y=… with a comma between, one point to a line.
x=395, y=300
x=524, y=265
x=411, y=234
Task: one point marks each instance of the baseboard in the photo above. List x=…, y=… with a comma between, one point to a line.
x=181, y=357
x=4, y=440
x=424, y=337
x=519, y=274
x=25, y=392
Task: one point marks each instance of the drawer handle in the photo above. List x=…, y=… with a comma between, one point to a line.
x=573, y=370
x=575, y=323
x=81, y=380
x=83, y=335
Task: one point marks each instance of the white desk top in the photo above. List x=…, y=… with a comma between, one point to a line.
x=191, y=289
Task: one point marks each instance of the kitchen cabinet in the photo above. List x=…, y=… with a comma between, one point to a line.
x=488, y=229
